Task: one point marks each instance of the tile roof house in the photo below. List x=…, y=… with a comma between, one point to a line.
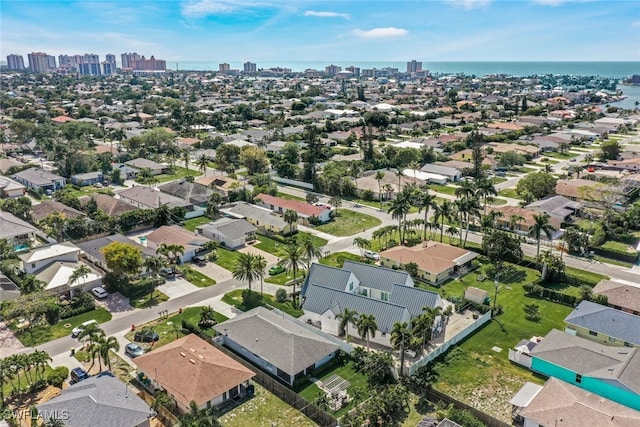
x=387, y=294
x=303, y=209
x=610, y=372
x=47, y=207
x=523, y=227
x=278, y=343
x=619, y=295
x=223, y=184
x=437, y=262
x=604, y=324
x=574, y=407
x=175, y=235
x=585, y=191
x=230, y=233
x=97, y=401
x=40, y=180
x=190, y=369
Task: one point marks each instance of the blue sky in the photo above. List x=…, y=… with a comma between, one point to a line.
x=235, y=31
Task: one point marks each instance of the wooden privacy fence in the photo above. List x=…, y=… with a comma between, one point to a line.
x=433, y=395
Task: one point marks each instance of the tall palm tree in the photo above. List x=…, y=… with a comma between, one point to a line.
x=293, y=260
x=398, y=208
x=311, y=250
x=355, y=169
x=79, y=272
x=202, y=163
x=40, y=359
x=362, y=244
x=414, y=166
x=379, y=177
x=485, y=189
x=399, y=174
x=213, y=204
x=106, y=345
x=367, y=327
x=153, y=265
x=514, y=220
x=425, y=201
x=388, y=191
x=346, y=316
x=444, y=212
x=465, y=189
x=260, y=268
x=92, y=331
x=421, y=327
x=541, y=226
x=245, y=268
x=290, y=217
x=400, y=340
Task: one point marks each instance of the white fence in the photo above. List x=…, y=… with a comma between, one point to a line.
x=521, y=359
x=447, y=344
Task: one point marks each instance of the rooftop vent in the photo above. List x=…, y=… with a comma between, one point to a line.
x=183, y=354
x=192, y=361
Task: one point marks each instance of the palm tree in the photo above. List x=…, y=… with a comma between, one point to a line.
x=54, y=224
x=202, y=164
x=425, y=201
x=398, y=209
x=367, y=327
x=153, y=265
x=378, y=177
x=213, y=204
x=465, y=189
x=91, y=331
x=30, y=284
x=260, y=268
x=346, y=316
x=362, y=244
x=541, y=226
x=245, y=268
x=485, y=189
x=400, y=340
x=421, y=327
x=186, y=157
x=79, y=272
x=444, y=212
x=399, y=174
x=355, y=169
x=451, y=232
x=198, y=417
x=310, y=249
x=106, y=345
x=290, y=217
x=388, y=191
x=293, y=261
x=514, y=220
x=40, y=359
x=336, y=202
x=414, y=166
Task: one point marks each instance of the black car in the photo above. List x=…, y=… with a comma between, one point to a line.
x=199, y=260
x=146, y=336
x=78, y=374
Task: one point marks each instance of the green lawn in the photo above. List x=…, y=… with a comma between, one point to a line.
x=235, y=299
x=87, y=190
x=166, y=328
x=290, y=196
x=21, y=380
x=561, y=156
x=338, y=258
x=264, y=409
x=358, y=385
x=497, y=202
x=524, y=169
x=493, y=380
x=616, y=246
x=196, y=278
x=146, y=302
x=45, y=333
x=276, y=248
x=509, y=192
x=180, y=173
x=587, y=276
x=191, y=224
x=226, y=258
x=284, y=277
x=445, y=189
x=612, y=261
x=348, y=223
x=497, y=180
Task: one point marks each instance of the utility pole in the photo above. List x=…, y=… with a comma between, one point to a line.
x=495, y=297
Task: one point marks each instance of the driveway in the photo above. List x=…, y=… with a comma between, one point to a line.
x=213, y=271
x=177, y=287
x=9, y=344
x=116, y=303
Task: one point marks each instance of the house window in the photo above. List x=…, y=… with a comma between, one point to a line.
x=384, y=296
x=611, y=339
x=364, y=292
x=628, y=344
x=594, y=333
x=578, y=378
x=33, y=265
x=351, y=286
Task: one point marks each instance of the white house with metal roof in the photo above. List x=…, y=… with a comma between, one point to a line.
x=41, y=257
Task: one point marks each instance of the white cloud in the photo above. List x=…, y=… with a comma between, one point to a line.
x=635, y=24
x=559, y=2
x=380, y=33
x=469, y=4
x=321, y=14
x=200, y=8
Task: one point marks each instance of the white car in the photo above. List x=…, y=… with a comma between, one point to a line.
x=99, y=292
x=76, y=331
x=372, y=255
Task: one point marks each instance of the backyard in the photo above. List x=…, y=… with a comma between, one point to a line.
x=276, y=247
x=191, y=224
x=235, y=299
x=180, y=172
x=348, y=223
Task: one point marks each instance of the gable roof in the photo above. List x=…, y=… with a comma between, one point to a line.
x=231, y=228
x=96, y=399
x=37, y=176
x=285, y=342
x=374, y=277
x=141, y=163
x=619, y=294
x=192, y=369
x=414, y=299
x=49, y=251
x=607, y=321
x=57, y=275
x=92, y=247
x=576, y=407
x=302, y=208
x=246, y=210
x=108, y=204
x=150, y=198
x=47, y=207
x=12, y=226
x=326, y=275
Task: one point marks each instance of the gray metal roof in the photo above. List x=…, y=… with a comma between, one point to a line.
x=442, y=170
x=38, y=176
x=414, y=299
x=281, y=340
x=319, y=299
x=232, y=228
x=374, y=277
x=191, y=191
x=98, y=401
x=606, y=320
x=327, y=276
x=247, y=210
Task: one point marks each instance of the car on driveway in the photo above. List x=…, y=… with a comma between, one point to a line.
x=78, y=329
x=146, y=336
x=372, y=255
x=167, y=272
x=133, y=350
x=199, y=260
x=99, y=292
x=276, y=269
x=78, y=374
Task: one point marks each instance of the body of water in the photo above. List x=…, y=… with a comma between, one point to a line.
x=633, y=95
x=604, y=69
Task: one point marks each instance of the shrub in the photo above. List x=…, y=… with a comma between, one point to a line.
x=251, y=299
x=188, y=326
x=532, y=312
x=281, y=295
x=52, y=313
x=58, y=376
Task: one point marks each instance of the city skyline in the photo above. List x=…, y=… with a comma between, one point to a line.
x=262, y=31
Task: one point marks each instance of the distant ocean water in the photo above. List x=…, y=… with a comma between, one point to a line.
x=604, y=69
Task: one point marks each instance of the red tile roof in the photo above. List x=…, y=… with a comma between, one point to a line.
x=303, y=208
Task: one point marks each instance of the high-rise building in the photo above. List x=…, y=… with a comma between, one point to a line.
x=110, y=57
x=15, y=62
x=332, y=69
x=66, y=61
x=126, y=59
x=40, y=62
x=223, y=68
x=354, y=70
x=151, y=64
x=109, y=65
x=413, y=66
x=250, y=67
x=89, y=65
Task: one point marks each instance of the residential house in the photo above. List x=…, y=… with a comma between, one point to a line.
x=8, y=289
x=609, y=372
x=389, y=295
x=10, y=188
x=196, y=194
x=17, y=232
x=368, y=182
x=501, y=148
x=109, y=205
x=558, y=207
x=604, y=324
x=98, y=401
x=38, y=258
x=228, y=232
x=223, y=184
x=190, y=369
x=89, y=178
x=624, y=165
x=264, y=219
x=580, y=190
x=524, y=226
x=278, y=343
x=175, y=235
x=143, y=197
x=140, y=163
x=452, y=174
x=304, y=210
x=559, y=403
x=6, y=164
x=91, y=249
x=620, y=295
x=37, y=179
x=126, y=172
x=437, y=262
x=48, y=207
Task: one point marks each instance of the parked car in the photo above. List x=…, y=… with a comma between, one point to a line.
x=372, y=255
x=146, y=336
x=76, y=331
x=99, y=292
x=98, y=185
x=276, y=269
x=78, y=374
x=199, y=260
x=133, y=350
x=167, y=272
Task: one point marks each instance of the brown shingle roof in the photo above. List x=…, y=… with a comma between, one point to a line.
x=109, y=205
x=620, y=295
x=47, y=207
x=433, y=258
x=192, y=369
